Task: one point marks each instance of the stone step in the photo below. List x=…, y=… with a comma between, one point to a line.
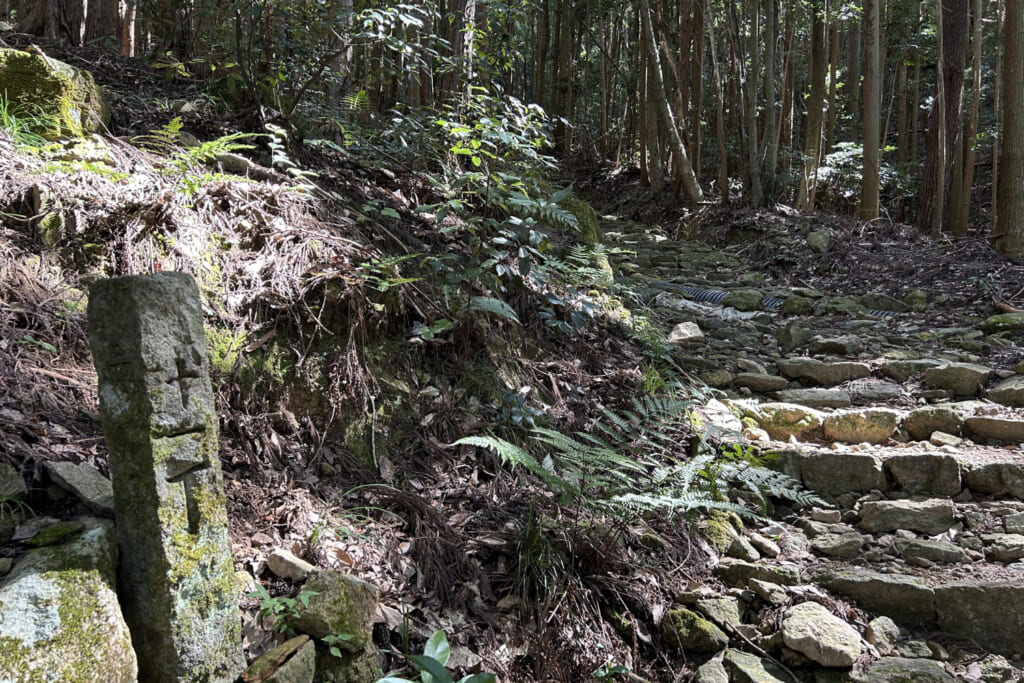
x=795, y=421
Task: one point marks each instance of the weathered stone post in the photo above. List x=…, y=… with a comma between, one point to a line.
x=176, y=578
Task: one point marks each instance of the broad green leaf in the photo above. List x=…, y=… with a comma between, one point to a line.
x=437, y=647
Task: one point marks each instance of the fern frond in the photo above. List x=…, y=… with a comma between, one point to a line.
x=488, y=304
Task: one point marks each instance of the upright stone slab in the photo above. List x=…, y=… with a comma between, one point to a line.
x=176, y=580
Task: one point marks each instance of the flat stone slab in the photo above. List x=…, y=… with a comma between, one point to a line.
x=739, y=572
x=931, y=517
x=824, y=374
x=1009, y=392
x=904, y=670
x=1003, y=547
x=987, y=612
x=815, y=397
x=864, y=391
x=963, y=379
x=86, y=483
x=936, y=474
x=831, y=473
x=931, y=551
x=906, y=599
x=998, y=429
x=997, y=479
x=902, y=370
x=866, y=425
x=761, y=383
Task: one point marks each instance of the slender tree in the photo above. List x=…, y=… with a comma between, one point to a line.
x=959, y=226
x=814, y=103
x=675, y=139
x=872, y=100
x=1009, y=234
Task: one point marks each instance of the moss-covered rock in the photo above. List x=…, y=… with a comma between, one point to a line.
x=55, y=98
x=687, y=631
x=62, y=621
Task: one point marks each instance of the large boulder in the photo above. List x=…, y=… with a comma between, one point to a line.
x=59, y=99
x=1009, y=392
x=932, y=516
x=61, y=618
x=687, y=631
x=871, y=425
x=963, y=379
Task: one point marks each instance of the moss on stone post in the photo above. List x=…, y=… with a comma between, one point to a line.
x=156, y=403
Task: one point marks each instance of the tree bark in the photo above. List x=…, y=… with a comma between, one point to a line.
x=996, y=100
x=770, y=96
x=938, y=166
x=540, y=51
x=814, y=103
x=723, y=153
x=678, y=148
x=872, y=101
x=1009, y=235
x=959, y=226
x=750, y=105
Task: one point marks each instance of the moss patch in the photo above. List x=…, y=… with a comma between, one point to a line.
x=57, y=98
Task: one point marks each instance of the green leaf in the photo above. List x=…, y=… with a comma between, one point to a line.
x=561, y=194
x=389, y=212
x=434, y=670
x=437, y=647
x=479, y=678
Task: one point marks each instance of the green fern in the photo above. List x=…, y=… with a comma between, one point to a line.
x=635, y=462
x=497, y=307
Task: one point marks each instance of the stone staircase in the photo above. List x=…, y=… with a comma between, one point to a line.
x=913, y=435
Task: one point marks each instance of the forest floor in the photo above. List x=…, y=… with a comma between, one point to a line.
x=436, y=529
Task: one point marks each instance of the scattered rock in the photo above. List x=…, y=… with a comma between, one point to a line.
x=1009, y=392
x=839, y=545
x=293, y=661
x=1003, y=547
x=816, y=633
x=989, y=612
x=744, y=300
x=684, y=333
x=797, y=305
x=864, y=391
x=748, y=668
x=86, y=483
x=287, y=566
x=738, y=573
x=904, y=670
x=818, y=241
x=1004, y=322
x=997, y=479
x=882, y=632
x=685, y=630
x=341, y=604
x=845, y=345
x=711, y=671
x=12, y=485
x=932, y=551
x=943, y=439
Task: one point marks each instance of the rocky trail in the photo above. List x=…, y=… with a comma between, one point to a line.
x=912, y=433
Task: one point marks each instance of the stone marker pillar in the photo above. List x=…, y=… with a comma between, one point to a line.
x=176, y=579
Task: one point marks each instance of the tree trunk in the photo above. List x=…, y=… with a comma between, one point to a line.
x=833, y=68
x=872, y=100
x=540, y=51
x=642, y=105
x=723, y=153
x=938, y=167
x=959, y=226
x=770, y=95
x=785, y=136
x=814, y=103
x=1009, y=235
x=750, y=106
x=563, y=83
x=128, y=30
x=854, y=55
x=996, y=100
x=903, y=153
x=697, y=86
x=678, y=148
